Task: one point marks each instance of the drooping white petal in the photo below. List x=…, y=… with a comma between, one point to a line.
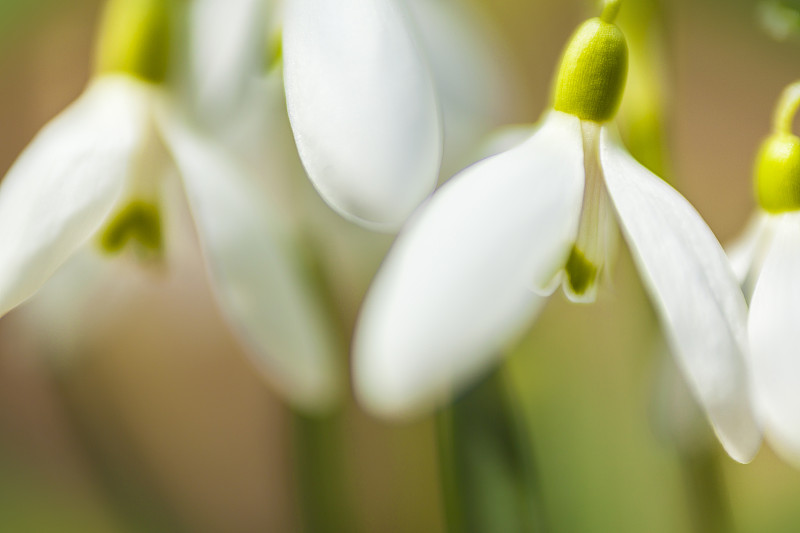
x=775, y=338
x=455, y=287
x=258, y=281
x=57, y=315
x=694, y=291
x=362, y=107
x=228, y=40
x=66, y=182
x=747, y=253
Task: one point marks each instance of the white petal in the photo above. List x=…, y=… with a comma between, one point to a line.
x=775, y=338
x=694, y=291
x=257, y=280
x=742, y=250
x=227, y=47
x=747, y=252
x=455, y=287
x=362, y=107
x=65, y=183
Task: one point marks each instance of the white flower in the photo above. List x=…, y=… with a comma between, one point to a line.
x=97, y=175
x=767, y=260
x=362, y=106
x=469, y=270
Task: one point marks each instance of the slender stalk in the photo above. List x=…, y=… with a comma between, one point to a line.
x=610, y=10
x=323, y=498
x=706, y=493
x=787, y=109
x=486, y=456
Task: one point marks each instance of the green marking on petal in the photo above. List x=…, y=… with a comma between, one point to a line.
x=274, y=54
x=778, y=173
x=134, y=39
x=593, y=72
x=139, y=221
x=581, y=273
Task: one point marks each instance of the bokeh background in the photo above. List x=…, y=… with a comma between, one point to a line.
x=162, y=424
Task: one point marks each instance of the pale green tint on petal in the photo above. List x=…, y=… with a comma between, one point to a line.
x=455, y=288
x=66, y=182
x=255, y=275
x=693, y=290
x=226, y=53
x=362, y=107
x=775, y=338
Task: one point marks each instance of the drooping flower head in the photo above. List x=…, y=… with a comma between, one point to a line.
x=362, y=106
x=471, y=267
x=98, y=175
x=767, y=259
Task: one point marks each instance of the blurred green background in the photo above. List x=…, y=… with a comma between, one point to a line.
x=166, y=427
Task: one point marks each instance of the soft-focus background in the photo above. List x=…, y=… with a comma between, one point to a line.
x=163, y=425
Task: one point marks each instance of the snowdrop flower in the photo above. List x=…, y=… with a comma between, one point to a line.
x=471, y=267
x=767, y=259
x=362, y=106
x=97, y=175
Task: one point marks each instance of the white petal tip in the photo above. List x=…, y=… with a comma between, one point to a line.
x=394, y=399
x=745, y=449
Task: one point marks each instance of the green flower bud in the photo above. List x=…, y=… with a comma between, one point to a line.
x=135, y=39
x=593, y=72
x=778, y=173
x=138, y=221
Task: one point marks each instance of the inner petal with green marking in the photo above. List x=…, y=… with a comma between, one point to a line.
x=597, y=229
x=138, y=222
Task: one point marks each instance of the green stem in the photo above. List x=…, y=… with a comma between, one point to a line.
x=488, y=476
x=787, y=108
x=323, y=498
x=610, y=10
x=706, y=493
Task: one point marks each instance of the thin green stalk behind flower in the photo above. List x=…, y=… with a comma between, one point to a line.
x=487, y=463
x=644, y=116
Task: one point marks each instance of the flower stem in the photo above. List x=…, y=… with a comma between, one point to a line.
x=610, y=10
x=787, y=108
x=488, y=476
x=323, y=498
x=706, y=493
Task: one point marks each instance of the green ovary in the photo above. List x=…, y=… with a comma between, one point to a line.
x=134, y=39
x=138, y=221
x=593, y=72
x=777, y=173
x=581, y=273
